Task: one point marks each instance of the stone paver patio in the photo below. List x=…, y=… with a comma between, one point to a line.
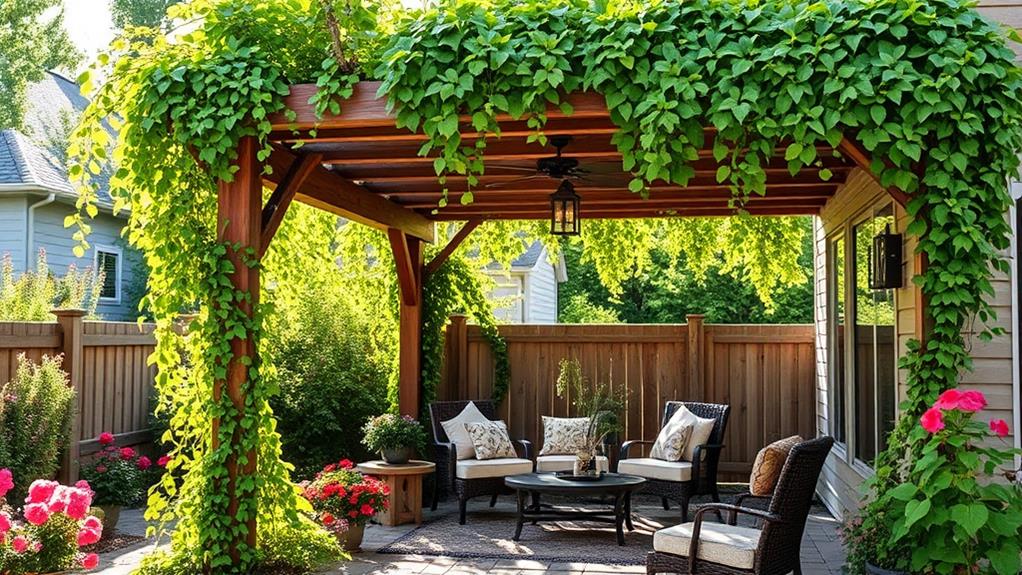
x=822, y=553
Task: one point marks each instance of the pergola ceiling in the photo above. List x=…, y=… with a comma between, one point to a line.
x=365, y=158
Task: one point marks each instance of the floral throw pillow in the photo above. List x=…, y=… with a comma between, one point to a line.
x=490, y=440
x=670, y=444
x=564, y=435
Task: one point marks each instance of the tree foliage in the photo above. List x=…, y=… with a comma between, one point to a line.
x=930, y=89
x=32, y=41
x=148, y=13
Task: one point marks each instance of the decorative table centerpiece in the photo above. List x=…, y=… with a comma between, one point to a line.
x=599, y=404
x=345, y=500
x=395, y=437
x=46, y=535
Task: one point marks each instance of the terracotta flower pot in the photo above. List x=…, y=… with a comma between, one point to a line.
x=396, y=456
x=351, y=540
x=111, y=514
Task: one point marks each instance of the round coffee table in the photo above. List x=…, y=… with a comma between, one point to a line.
x=534, y=485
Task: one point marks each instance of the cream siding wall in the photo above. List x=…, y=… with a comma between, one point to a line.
x=841, y=482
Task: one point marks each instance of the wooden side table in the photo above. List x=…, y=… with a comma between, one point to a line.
x=405, y=483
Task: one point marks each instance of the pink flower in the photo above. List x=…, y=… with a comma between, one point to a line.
x=999, y=427
x=41, y=491
x=163, y=461
x=93, y=522
x=144, y=463
x=90, y=561
x=127, y=453
x=972, y=401
x=948, y=400
x=83, y=484
x=101, y=469
x=5, y=523
x=58, y=501
x=36, y=513
x=20, y=544
x=6, y=481
x=932, y=420
x=106, y=438
x=78, y=503
x=87, y=537
x=37, y=547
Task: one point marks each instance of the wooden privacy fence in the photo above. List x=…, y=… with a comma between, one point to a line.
x=106, y=363
x=765, y=372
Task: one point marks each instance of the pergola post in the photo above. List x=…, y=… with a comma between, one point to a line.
x=239, y=223
x=409, y=261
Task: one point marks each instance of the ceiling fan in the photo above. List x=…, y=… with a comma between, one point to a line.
x=560, y=167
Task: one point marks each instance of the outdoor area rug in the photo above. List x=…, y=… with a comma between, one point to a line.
x=488, y=533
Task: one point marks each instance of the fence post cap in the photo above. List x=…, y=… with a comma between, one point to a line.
x=697, y=316
x=69, y=312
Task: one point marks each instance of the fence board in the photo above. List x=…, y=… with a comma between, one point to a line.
x=116, y=380
x=765, y=372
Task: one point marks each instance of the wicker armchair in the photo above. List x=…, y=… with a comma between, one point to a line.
x=456, y=476
x=684, y=480
x=729, y=549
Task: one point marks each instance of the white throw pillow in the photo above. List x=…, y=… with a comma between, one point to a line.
x=458, y=435
x=700, y=435
x=564, y=435
x=490, y=440
x=672, y=439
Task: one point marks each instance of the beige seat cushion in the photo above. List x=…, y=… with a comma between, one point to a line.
x=551, y=463
x=731, y=545
x=769, y=462
x=458, y=435
x=564, y=435
x=483, y=468
x=656, y=469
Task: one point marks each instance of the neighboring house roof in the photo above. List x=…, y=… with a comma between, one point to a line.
x=26, y=165
x=529, y=259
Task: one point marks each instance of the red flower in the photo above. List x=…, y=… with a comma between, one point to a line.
x=330, y=468
x=353, y=500
x=90, y=561
x=972, y=401
x=346, y=464
x=367, y=510
x=106, y=438
x=353, y=514
x=144, y=463
x=127, y=453
x=999, y=427
x=948, y=400
x=163, y=461
x=328, y=519
x=932, y=420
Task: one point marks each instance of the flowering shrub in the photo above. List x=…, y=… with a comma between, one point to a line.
x=389, y=431
x=54, y=524
x=952, y=513
x=342, y=496
x=119, y=475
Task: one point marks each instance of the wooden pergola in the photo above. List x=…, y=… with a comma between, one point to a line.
x=360, y=166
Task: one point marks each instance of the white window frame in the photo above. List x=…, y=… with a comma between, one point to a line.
x=115, y=251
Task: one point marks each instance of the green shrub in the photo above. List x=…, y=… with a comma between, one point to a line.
x=332, y=378
x=35, y=421
x=32, y=295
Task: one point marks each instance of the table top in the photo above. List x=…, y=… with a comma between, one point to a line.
x=550, y=483
x=413, y=467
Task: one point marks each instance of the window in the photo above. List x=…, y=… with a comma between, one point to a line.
x=875, y=348
x=836, y=287
x=108, y=263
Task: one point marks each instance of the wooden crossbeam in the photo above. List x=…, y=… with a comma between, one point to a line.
x=862, y=158
x=276, y=207
x=618, y=212
x=330, y=192
x=435, y=263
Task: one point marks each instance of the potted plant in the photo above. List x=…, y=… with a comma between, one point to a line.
x=119, y=477
x=953, y=511
x=395, y=437
x=46, y=534
x=344, y=500
x=600, y=404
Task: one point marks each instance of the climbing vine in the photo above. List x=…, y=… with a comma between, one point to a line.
x=928, y=88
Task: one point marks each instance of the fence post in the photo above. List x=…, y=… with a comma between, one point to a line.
x=72, y=324
x=457, y=359
x=696, y=347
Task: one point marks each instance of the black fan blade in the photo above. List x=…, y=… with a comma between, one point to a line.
x=515, y=180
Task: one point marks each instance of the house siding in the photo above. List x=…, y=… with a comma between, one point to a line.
x=51, y=235
x=541, y=293
x=13, y=210
x=842, y=478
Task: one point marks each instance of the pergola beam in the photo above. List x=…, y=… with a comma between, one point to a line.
x=276, y=207
x=864, y=160
x=337, y=195
x=435, y=263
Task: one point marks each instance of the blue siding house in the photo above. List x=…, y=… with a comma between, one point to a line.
x=36, y=196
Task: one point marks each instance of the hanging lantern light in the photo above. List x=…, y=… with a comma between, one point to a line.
x=885, y=261
x=564, y=205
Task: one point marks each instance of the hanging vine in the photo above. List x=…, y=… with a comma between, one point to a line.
x=929, y=88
